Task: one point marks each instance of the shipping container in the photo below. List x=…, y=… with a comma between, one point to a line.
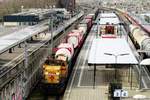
x=64, y=52
x=74, y=38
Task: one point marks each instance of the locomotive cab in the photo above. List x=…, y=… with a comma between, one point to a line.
x=109, y=29
x=54, y=71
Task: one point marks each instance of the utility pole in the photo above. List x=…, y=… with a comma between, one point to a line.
x=26, y=54
x=98, y=28
x=51, y=31
x=26, y=61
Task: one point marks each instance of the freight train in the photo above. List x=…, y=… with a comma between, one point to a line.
x=57, y=69
x=138, y=33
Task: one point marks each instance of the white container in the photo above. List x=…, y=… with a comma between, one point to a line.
x=138, y=34
x=67, y=45
x=65, y=51
x=74, y=38
x=77, y=31
x=11, y=24
x=83, y=29
x=133, y=27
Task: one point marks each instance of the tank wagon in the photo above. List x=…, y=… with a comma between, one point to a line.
x=139, y=33
x=140, y=38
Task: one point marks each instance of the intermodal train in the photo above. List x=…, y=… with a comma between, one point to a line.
x=57, y=69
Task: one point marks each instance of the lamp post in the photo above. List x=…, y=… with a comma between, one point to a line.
x=22, y=7
x=120, y=29
x=110, y=54
x=98, y=28
x=26, y=53
x=51, y=30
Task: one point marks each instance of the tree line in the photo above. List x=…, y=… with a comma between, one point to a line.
x=14, y=6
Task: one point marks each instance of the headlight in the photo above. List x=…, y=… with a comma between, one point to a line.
x=57, y=73
x=46, y=73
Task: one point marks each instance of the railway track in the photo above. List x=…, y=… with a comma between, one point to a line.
x=38, y=95
x=145, y=70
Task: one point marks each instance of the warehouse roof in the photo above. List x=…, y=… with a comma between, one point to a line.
x=108, y=18
x=104, y=50
x=104, y=21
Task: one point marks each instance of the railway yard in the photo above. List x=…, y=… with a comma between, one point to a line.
x=99, y=53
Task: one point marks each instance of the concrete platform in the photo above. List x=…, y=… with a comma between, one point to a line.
x=88, y=93
x=8, y=30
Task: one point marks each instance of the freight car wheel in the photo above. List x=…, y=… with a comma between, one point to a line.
x=61, y=92
x=61, y=89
